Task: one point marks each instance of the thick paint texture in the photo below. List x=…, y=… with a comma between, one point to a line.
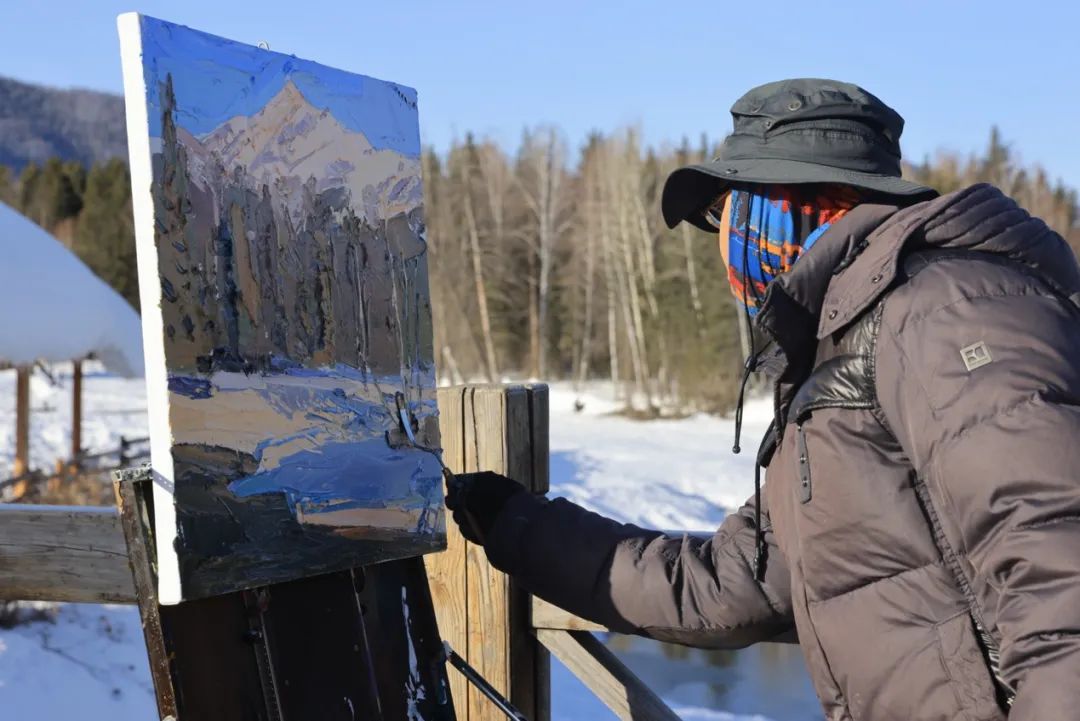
x=294, y=304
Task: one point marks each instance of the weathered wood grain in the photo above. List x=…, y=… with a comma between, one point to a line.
x=446, y=570
x=522, y=649
x=61, y=553
x=22, y=430
x=550, y=616
x=605, y=675
x=540, y=422
x=133, y=504
x=481, y=613
x=76, y=410
x=486, y=588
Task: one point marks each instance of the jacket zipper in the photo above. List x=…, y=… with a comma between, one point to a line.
x=989, y=645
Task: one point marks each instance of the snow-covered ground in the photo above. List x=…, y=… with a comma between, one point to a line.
x=89, y=662
x=112, y=407
x=668, y=474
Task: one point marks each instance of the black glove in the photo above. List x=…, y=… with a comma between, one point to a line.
x=476, y=499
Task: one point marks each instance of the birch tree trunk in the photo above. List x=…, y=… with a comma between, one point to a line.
x=691, y=279
x=543, y=191
x=612, y=304
x=534, y=318
x=647, y=263
x=481, y=288
x=587, y=320
x=625, y=272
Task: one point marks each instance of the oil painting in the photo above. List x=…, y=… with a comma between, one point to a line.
x=286, y=312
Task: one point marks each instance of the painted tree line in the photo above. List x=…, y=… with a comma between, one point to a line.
x=547, y=262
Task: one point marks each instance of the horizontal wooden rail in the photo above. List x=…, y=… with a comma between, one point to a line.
x=549, y=616
x=63, y=553
x=605, y=675
x=77, y=554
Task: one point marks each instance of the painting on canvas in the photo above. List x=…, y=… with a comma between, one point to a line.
x=285, y=302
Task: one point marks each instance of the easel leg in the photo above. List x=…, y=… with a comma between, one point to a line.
x=202, y=659
x=410, y=668
x=358, y=644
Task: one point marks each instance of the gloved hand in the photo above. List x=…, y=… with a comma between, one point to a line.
x=476, y=499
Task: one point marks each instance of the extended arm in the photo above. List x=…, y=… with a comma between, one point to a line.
x=686, y=589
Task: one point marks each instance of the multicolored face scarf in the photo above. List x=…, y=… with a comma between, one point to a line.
x=770, y=227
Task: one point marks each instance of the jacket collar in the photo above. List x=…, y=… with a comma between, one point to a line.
x=857, y=259
x=794, y=301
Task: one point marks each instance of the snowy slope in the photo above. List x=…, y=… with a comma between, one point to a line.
x=679, y=474
x=53, y=307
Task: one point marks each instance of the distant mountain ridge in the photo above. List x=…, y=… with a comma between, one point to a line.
x=38, y=122
x=289, y=143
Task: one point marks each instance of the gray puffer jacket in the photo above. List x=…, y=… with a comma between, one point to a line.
x=921, y=512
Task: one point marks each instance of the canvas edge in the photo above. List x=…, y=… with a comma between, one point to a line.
x=140, y=162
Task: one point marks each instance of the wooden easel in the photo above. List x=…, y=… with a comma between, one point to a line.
x=299, y=649
x=359, y=644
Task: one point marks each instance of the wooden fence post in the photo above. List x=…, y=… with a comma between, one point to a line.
x=480, y=612
x=76, y=412
x=22, y=430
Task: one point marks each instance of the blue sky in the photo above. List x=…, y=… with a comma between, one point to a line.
x=951, y=67
x=216, y=79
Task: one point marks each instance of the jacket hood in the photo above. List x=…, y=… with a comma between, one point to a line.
x=980, y=218
x=983, y=218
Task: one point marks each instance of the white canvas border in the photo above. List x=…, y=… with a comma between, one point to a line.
x=140, y=161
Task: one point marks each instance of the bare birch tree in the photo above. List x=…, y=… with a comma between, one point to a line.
x=542, y=185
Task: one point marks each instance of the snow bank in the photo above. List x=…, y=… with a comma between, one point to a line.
x=53, y=308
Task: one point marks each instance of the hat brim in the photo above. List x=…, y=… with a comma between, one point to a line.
x=690, y=189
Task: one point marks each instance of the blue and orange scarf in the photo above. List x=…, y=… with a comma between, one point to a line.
x=771, y=227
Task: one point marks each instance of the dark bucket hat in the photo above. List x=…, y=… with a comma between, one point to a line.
x=798, y=131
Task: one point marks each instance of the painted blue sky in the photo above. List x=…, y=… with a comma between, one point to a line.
x=216, y=79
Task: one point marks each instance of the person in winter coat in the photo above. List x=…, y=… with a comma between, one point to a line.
x=919, y=528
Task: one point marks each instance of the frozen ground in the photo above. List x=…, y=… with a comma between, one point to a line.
x=89, y=662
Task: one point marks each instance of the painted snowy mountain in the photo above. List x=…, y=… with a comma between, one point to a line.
x=290, y=143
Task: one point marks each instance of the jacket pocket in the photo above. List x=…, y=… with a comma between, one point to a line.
x=967, y=669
